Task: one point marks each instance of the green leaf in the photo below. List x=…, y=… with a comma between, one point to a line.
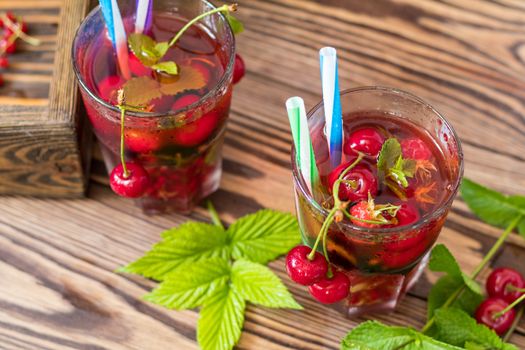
x=444, y=287
x=392, y=166
x=236, y=25
x=474, y=346
x=221, y=319
x=493, y=207
x=161, y=48
x=456, y=327
x=190, y=286
x=441, y=260
x=263, y=236
x=190, y=242
x=372, y=335
x=139, y=91
x=169, y=67
x=143, y=47
x=259, y=285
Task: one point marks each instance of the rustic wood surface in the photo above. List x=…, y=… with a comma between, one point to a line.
x=57, y=257
x=40, y=126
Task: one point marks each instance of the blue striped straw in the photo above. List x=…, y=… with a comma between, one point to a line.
x=117, y=34
x=332, y=103
x=304, y=152
x=143, y=16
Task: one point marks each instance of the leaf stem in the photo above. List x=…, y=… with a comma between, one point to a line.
x=515, y=324
x=505, y=310
x=214, y=215
x=177, y=36
x=452, y=298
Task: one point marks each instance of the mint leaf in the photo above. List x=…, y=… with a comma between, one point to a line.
x=474, y=346
x=161, y=48
x=190, y=286
x=441, y=260
x=221, y=319
x=190, y=242
x=493, y=207
x=457, y=328
x=372, y=335
x=392, y=167
x=169, y=67
x=236, y=25
x=444, y=287
x=139, y=91
x=263, y=236
x=143, y=47
x=258, y=284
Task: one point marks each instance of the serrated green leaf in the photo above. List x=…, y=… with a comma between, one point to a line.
x=263, y=236
x=161, y=48
x=221, y=319
x=444, y=287
x=190, y=286
x=456, y=327
x=190, y=242
x=392, y=166
x=236, y=25
x=141, y=90
x=169, y=67
x=474, y=346
x=441, y=260
x=143, y=47
x=372, y=335
x=493, y=207
x=259, y=285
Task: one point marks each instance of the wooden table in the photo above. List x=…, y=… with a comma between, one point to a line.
x=57, y=286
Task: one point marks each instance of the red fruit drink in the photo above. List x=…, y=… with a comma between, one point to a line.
x=383, y=260
x=178, y=136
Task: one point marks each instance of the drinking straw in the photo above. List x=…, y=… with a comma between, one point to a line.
x=117, y=34
x=143, y=16
x=332, y=103
x=302, y=142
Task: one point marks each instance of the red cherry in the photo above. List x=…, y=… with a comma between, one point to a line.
x=500, y=279
x=204, y=66
x=136, y=67
x=6, y=46
x=197, y=131
x=23, y=27
x=109, y=86
x=11, y=16
x=239, y=69
x=1, y=80
x=486, y=311
x=133, y=186
x=141, y=141
x=407, y=215
x=331, y=290
x=303, y=270
x=415, y=149
x=4, y=62
x=364, y=181
x=367, y=141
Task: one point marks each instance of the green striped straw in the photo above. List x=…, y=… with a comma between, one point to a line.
x=304, y=152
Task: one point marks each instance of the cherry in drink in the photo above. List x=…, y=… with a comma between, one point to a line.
x=177, y=134
x=400, y=171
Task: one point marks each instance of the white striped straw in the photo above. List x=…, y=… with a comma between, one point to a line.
x=303, y=145
x=121, y=41
x=332, y=103
x=144, y=8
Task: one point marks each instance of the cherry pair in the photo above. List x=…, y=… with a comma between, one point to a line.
x=312, y=270
x=8, y=40
x=505, y=287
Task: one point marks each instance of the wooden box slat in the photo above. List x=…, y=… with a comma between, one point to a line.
x=44, y=140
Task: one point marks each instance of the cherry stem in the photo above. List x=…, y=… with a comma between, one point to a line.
x=505, y=310
x=515, y=324
x=513, y=288
x=324, y=228
x=452, y=298
x=122, y=136
x=223, y=8
x=214, y=215
x=18, y=33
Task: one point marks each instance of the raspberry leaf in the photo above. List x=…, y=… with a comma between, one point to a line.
x=144, y=48
x=221, y=319
x=392, y=167
x=493, y=207
x=263, y=236
x=456, y=327
x=188, y=79
x=259, y=285
x=140, y=90
x=169, y=67
x=373, y=335
x=186, y=244
x=190, y=286
x=444, y=287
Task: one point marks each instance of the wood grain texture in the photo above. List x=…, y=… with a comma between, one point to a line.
x=40, y=127
x=465, y=57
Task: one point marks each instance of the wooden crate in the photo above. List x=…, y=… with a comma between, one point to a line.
x=45, y=142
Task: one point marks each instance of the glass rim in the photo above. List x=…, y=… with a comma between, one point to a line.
x=425, y=219
x=222, y=81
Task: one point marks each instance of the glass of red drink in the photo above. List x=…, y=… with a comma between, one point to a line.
x=177, y=138
x=382, y=262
